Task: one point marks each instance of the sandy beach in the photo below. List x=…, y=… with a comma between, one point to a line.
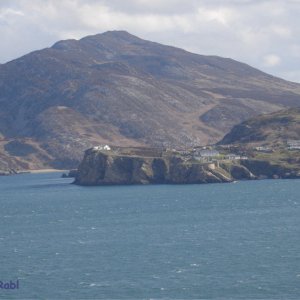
x=46, y=171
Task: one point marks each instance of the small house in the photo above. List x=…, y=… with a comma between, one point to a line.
x=293, y=144
x=208, y=153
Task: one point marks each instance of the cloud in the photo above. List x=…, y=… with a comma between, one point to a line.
x=6, y=13
x=247, y=30
x=221, y=15
x=272, y=60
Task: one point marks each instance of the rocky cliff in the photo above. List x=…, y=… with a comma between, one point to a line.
x=105, y=168
x=268, y=169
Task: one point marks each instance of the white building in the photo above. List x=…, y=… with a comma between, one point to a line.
x=99, y=148
x=233, y=156
x=208, y=153
x=263, y=149
x=293, y=144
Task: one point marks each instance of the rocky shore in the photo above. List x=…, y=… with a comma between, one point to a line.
x=105, y=168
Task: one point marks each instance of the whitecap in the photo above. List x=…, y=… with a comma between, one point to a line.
x=98, y=284
x=194, y=265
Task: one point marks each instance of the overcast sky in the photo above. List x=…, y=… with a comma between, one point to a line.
x=264, y=34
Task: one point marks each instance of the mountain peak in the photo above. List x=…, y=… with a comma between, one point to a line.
x=113, y=35
x=120, y=35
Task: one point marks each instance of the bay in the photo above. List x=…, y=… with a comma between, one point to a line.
x=212, y=241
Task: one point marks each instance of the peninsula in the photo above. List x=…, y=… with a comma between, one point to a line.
x=267, y=146
x=137, y=165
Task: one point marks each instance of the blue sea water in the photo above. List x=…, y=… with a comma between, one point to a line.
x=214, y=241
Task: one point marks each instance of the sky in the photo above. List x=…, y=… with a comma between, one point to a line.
x=264, y=34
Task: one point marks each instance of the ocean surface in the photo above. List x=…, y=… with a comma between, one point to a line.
x=214, y=241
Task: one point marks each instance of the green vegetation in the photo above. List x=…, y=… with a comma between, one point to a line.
x=282, y=157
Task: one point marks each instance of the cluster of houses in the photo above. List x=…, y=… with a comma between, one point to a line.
x=201, y=154
x=293, y=144
x=290, y=145
x=263, y=149
x=101, y=148
x=208, y=155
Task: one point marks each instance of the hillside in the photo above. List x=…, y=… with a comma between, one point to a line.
x=116, y=88
x=271, y=141
x=272, y=129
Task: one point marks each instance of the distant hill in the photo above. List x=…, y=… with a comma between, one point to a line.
x=115, y=88
x=270, y=129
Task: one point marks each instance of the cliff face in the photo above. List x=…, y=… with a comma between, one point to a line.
x=268, y=169
x=99, y=168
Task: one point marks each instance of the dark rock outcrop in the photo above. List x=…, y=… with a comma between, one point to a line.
x=70, y=174
x=266, y=169
x=238, y=171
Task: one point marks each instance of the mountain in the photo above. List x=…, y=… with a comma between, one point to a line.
x=273, y=129
x=115, y=88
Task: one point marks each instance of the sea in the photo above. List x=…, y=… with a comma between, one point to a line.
x=208, y=241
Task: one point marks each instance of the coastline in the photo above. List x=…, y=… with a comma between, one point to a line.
x=116, y=168
x=43, y=171
x=34, y=171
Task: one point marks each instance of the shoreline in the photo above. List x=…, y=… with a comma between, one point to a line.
x=35, y=171
x=43, y=171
